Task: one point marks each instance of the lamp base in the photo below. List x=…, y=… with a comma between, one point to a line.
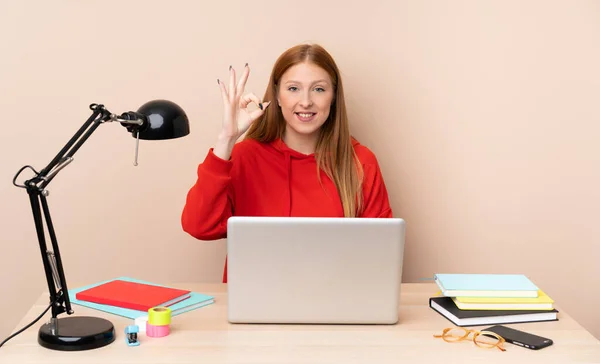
x=76, y=333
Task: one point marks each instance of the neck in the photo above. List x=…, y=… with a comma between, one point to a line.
x=305, y=144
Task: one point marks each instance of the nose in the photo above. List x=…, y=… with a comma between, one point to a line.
x=306, y=101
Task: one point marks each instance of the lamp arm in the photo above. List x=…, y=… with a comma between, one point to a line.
x=100, y=115
x=97, y=110
x=36, y=189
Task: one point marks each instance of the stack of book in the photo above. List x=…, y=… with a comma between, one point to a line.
x=491, y=299
x=132, y=298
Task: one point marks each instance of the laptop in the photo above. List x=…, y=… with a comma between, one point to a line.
x=314, y=270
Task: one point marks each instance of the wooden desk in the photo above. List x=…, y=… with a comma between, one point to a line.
x=205, y=336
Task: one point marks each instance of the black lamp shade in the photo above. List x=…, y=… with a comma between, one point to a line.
x=163, y=120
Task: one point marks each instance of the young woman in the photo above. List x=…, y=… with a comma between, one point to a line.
x=297, y=157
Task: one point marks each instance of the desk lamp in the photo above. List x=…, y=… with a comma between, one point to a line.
x=155, y=120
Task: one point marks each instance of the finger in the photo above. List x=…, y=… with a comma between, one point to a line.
x=260, y=111
x=247, y=99
x=232, y=94
x=242, y=84
x=223, y=91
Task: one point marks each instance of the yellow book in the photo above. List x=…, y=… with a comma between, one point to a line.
x=541, y=302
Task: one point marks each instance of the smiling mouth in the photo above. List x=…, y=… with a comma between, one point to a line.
x=305, y=116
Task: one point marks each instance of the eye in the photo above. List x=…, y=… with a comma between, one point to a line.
x=319, y=89
x=292, y=88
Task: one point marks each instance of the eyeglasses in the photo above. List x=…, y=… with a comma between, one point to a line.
x=483, y=339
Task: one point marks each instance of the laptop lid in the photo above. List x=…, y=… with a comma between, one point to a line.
x=314, y=270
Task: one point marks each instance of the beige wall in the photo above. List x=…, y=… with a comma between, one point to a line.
x=484, y=116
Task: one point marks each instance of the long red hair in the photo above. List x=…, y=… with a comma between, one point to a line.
x=334, y=151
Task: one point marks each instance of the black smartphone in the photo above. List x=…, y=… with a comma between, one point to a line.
x=521, y=338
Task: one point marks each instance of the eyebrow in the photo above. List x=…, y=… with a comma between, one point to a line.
x=317, y=81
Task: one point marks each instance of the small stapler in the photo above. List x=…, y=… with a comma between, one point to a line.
x=131, y=335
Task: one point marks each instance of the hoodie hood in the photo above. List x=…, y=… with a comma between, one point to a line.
x=288, y=152
x=281, y=147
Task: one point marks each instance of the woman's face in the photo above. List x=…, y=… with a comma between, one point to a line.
x=305, y=96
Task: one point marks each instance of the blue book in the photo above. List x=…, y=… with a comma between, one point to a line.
x=196, y=300
x=485, y=285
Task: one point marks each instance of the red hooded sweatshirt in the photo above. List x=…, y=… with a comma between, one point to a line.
x=270, y=179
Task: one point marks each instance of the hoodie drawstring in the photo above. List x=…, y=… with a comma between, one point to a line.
x=288, y=167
